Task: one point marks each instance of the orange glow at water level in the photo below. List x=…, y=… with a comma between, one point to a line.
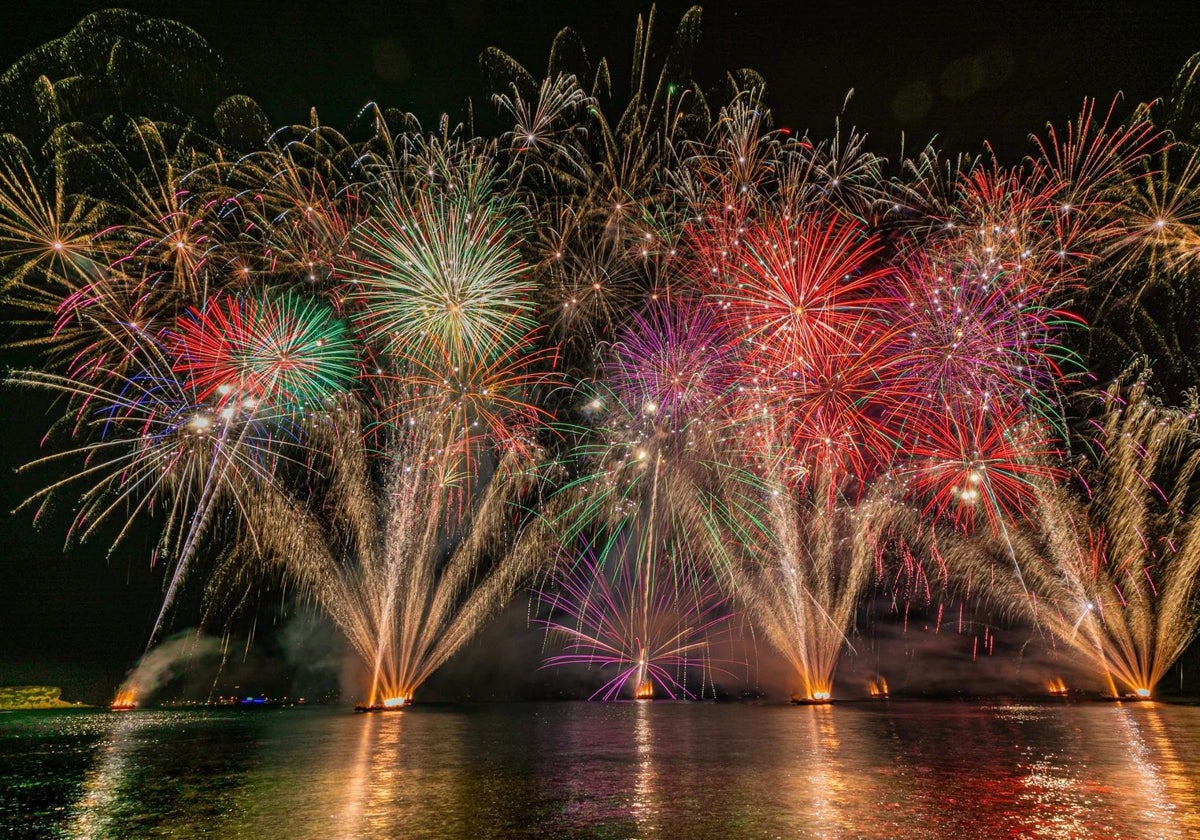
x=124, y=701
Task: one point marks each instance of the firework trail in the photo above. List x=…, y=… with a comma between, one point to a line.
x=409, y=573
x=1114, y=577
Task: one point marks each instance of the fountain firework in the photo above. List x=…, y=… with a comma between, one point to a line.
x=406, y=553
x=803, y=584
x=1114, y=576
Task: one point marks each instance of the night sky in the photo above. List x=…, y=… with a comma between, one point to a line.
x=963, y=72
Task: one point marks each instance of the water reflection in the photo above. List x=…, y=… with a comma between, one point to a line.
x=645, y=793
x=376, y=775
x=950, y=770
x=379, y=768
x=1167, y=789
x=1180, y=776
x=821, y=781
x=1055, y=798
x=102, y=783
x=361, y=783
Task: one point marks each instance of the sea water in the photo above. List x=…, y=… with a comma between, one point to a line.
x=886, y=769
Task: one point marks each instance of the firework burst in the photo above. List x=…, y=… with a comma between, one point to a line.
x=800, y=290
x=663, y=454
x=282, y=349
x=986, y=462
x=624, y=619
x=436, y=269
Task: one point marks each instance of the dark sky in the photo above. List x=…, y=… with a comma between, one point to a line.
x=966, y=72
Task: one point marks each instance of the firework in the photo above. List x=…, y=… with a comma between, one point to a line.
x=982, y=462
x=440, y=270
x=481, y=393
x=801, y=583
x=663, y=459
x=282, y=349
x=52, y=248
x=594, y=283
x=971, y=335
x=146, y=440
x=1141, y=296
x=1114, y=578
x=673, y=361
x=411, y=573
x=546, y=129
x=1159, y=220
x=800, y=290
x=352, y=356
x=46, y=238
x=806, y=302
x=299, y=202
x=167, y=227
x=631, y=622
x=663, y=474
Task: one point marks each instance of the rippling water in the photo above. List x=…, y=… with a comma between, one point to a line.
x=899, y=769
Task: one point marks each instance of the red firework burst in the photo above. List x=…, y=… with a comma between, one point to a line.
x=801, y=290
x=981, y=460
x=842, y=416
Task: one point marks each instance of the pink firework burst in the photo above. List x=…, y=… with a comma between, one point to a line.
x=673, y=361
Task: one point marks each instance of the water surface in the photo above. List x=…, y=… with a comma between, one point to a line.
x=698, y=770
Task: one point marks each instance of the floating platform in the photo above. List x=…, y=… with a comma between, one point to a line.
x=385, y=706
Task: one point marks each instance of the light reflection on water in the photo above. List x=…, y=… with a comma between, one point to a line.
x=937, y=770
